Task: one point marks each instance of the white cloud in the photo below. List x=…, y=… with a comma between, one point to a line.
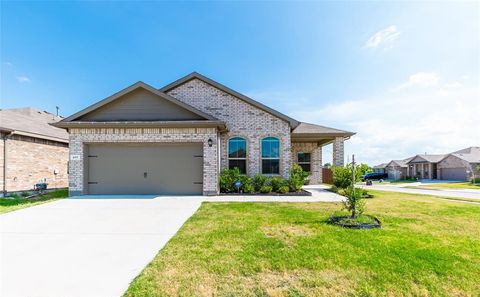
x=8, y=64
x=454, y=85
x=420, y=79
x=23, y=79
x=399, y=125
x=383, y=37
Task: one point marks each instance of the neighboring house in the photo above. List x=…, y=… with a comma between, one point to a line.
x=31, y=150
x=380, y=168
x=424, y=166
x=397, y=169
x=460, y=165
x=176, y=140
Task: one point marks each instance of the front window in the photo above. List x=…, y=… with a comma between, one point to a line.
x=270, y=155
x=237, y=154
x=303, y=159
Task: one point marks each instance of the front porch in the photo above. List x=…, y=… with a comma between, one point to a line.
x=307, y=141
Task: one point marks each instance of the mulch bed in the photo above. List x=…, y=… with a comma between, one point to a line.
x=301, y=193
x=339, y=221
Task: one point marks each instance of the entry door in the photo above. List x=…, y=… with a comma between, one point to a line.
x=138, y=169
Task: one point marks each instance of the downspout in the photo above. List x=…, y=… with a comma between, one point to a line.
x=5, y=137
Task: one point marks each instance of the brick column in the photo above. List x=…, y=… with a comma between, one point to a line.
x=338, y=152
x=430, y=170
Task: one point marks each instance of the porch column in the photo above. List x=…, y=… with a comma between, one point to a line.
x=414, y=170
x=430, y=171
x=338, y=152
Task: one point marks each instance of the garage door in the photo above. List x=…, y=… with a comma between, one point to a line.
x=145, y=169
x=453, y=174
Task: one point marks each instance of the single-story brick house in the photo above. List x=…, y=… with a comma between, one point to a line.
x=31, y=150
x=460, y=165
x=397, y=169
x=177, y=139
x=424, y=166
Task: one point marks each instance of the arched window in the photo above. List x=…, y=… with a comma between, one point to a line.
x=237, y=154
x=270, y=155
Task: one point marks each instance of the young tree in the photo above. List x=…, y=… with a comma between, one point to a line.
x=354, y=202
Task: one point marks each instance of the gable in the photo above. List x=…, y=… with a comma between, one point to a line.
x=140, y=105
x=239, y=115
x=417, y=159
x=225, y=91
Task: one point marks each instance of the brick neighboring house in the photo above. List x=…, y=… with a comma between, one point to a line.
x=380, y=168
x=397, y=169
x=460, y=165
x=177, y=139
x=424, y=166
x=31, y=150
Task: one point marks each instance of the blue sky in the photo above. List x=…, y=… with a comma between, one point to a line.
x=404, y=76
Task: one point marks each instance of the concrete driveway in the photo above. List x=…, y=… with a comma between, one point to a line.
x=85, y=247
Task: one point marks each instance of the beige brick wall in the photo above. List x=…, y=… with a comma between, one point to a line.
x=316, y=158
x=338, y=151
x=79, y=138
x=31, y=160
x=243, y=119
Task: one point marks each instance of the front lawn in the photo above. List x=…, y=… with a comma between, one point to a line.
x=459, y=185
x=11, y=204
x=426, y=247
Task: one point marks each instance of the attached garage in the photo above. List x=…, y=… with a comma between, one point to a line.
x=453, y=173
x=138, y=169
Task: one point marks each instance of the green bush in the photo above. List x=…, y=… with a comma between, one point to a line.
x=277, y=183
x=260, y=181
x=283, y=189
x=248, y=188
x=342, y=177
x=297, y=178
x=354, y=202
x=25, y=194
x=246, y=181
x=228, y=177
x=266, y=189
x=333, y=189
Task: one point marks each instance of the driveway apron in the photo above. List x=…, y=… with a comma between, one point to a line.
x=85, y=247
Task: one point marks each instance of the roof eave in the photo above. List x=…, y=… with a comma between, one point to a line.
x=142, y=124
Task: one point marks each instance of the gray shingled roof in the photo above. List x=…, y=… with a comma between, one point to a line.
x=430, y=158
x=307, y=128
x=401, y=163
x=383, y=165
x=32, y=122
x=471, y=154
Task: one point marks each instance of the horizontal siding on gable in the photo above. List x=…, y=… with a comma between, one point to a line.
x=141, y=105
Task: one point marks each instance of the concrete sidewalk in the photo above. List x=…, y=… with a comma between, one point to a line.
x=401, y=188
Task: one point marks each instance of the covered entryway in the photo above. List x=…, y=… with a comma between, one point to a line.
x=453, y=173
x=139, y=168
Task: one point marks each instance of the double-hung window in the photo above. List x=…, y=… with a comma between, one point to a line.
x=270, y=155
x=237, y=154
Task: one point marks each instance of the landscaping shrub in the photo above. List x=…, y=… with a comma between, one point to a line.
x=342, y=177
x=248, y=189
x=266, y=189
x=354, y=202
x=283, y=189
x=277, y=183
x=228, y=177
x=333, y=189
x=297, y=178
x=260, y=181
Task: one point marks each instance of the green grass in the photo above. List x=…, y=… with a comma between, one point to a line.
x=459, y=185
x=11, y=204
x=426, y=247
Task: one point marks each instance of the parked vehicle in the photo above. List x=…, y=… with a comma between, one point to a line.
x=374, y=176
